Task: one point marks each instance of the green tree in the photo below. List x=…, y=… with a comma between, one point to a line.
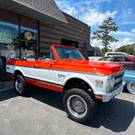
x=104, y=32
x=127, y=48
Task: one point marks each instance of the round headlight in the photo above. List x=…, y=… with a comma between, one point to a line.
x=110, y=83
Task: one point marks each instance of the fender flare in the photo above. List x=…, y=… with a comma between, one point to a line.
x=81, y=78
x=19, y=70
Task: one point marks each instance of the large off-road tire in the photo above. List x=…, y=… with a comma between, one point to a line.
x=79, y=105
x=131, y=87
x=20, y=85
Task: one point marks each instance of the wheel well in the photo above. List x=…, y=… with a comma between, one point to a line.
x=17, y=72
x=78, y=83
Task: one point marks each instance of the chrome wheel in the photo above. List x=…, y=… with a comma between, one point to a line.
x=131, y=87
x=77, y=106
x=19, y=85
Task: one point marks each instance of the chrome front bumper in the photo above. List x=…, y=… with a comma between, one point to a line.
x=108, y=96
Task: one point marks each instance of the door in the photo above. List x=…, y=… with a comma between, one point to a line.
x=42, y=70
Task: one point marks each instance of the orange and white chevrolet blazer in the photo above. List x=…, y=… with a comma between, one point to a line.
x=82, y=82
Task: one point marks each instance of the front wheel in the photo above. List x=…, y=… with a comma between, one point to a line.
x=131, y=87
x=79, y=105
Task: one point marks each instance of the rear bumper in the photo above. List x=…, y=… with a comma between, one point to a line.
x=108, y=96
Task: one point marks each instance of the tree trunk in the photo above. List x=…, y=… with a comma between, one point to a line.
x=106, y=49
x=105, y=44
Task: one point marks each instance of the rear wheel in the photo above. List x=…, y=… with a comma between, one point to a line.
x=20, y=85
x=79, y=105
x=131, y=87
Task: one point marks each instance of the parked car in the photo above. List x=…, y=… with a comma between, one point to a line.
x=115, y=53
x=127, y=61
x=129, y=78
x=82, y=82
x=95, y=58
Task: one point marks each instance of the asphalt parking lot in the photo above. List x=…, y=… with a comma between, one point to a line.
x=42, y=113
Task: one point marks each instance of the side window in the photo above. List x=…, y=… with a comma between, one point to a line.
x=118, y=59
x=126, y=59
x=108, y=59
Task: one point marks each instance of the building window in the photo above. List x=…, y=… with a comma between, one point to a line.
x=8, y=35
x=9, y=30
x=34, y=31
x=69, y=43
x=28, y=37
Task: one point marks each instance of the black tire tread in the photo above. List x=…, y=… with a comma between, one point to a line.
x=26, y=86
x=90, y=101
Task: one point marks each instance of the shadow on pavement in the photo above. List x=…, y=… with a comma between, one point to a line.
x=51, y=98
x=115, y=115
x=5, y=95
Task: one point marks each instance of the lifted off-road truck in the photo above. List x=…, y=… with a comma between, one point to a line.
x=82, y=82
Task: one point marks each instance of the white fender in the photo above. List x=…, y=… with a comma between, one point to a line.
x=82, y=77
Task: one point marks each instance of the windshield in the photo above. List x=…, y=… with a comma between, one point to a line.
x=106, y=59
x=69, y=53
x=117, y=53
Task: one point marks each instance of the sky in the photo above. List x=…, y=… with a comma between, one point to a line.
x=94, y=12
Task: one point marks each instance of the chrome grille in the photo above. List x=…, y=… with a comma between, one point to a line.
x=118, y=78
